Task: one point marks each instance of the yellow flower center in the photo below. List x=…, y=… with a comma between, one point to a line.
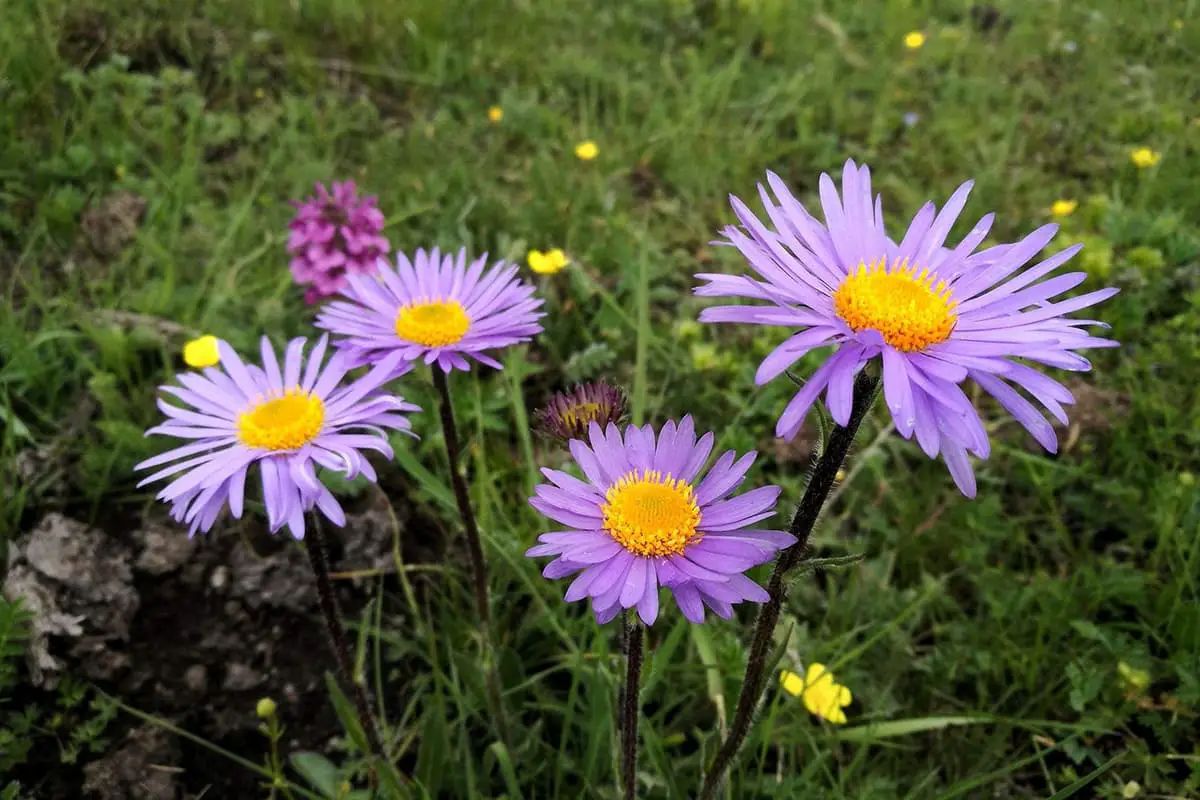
x=651, y=514
x=435, y=323
x=909, y=309
x=282, y=423
x=579, y=414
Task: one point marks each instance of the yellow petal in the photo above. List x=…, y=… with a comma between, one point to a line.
x=817, y=675
x=914, y=40
x=201, y=353
x=793, y=684
x=844, y=696
x=586, y=151
x=495, y=113
x=1063, y=208
x=558, y=258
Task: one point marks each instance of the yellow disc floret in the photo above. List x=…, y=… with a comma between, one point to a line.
x=282, y=423
x=433, y=323
x=911, y=310
x=577, y=416
x=651, y=514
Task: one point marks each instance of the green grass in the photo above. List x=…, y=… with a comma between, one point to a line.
x=981, y=637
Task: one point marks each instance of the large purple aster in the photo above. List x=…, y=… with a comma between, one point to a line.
x=434, y=308
x=642, y=520
x=935, y=316
x=287, y=421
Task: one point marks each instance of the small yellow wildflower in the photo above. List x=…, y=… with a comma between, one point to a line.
x=266, y=708
x=1135, y=680
x=1064, y=208
x=549, y=262
x=586, y=151
x=822, y=696
x=914, y=40
x=1143, y=157
x=202, y=352
x=495, y=114
x=1131, y=790
x=1177, y=24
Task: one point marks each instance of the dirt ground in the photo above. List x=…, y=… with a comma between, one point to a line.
x=194, y=631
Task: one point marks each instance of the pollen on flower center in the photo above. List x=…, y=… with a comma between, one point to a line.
x=578, y=415
x=282, y=423
x=911, y=310
x=651, y=514
x=433, y=323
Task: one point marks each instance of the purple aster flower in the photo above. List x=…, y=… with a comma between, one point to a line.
x=569, y=414
x=434, y=308
x=334, y=235
x=934, y=315
x=287, y=421
x=642, y=519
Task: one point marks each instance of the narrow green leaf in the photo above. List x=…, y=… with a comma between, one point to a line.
x=347, y=715
x=658, y=661
x=712, y=671
x=430, y=483
x=1086, y=780
x=433, y=757
x=507, y=771
x=320, y=772
x=904, y=727
x=390, y=780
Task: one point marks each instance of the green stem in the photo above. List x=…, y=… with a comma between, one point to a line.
x=479, y=574
x=823, y=478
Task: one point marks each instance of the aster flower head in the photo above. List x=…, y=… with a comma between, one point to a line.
x=286, y=421
x=332, y=235
x=568, y=415
x=933, y=315
x=644, y=518
x=435, y=308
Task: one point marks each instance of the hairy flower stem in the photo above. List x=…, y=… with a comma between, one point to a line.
x=479, y=574
x=630, y=705
x=317, y=548
x=823, y=478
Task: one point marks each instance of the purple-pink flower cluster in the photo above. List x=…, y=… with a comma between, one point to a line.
x=334, y=234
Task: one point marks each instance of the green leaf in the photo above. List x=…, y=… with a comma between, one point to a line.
x=507, y=770
x=390, y=780
x=347, y=715
x=904, y=727
x=430, y=483
x=320, y=772
x=434, y=755
x=13, y=423
x=1086, y=684
x=1086, y=780
x=712, y=670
